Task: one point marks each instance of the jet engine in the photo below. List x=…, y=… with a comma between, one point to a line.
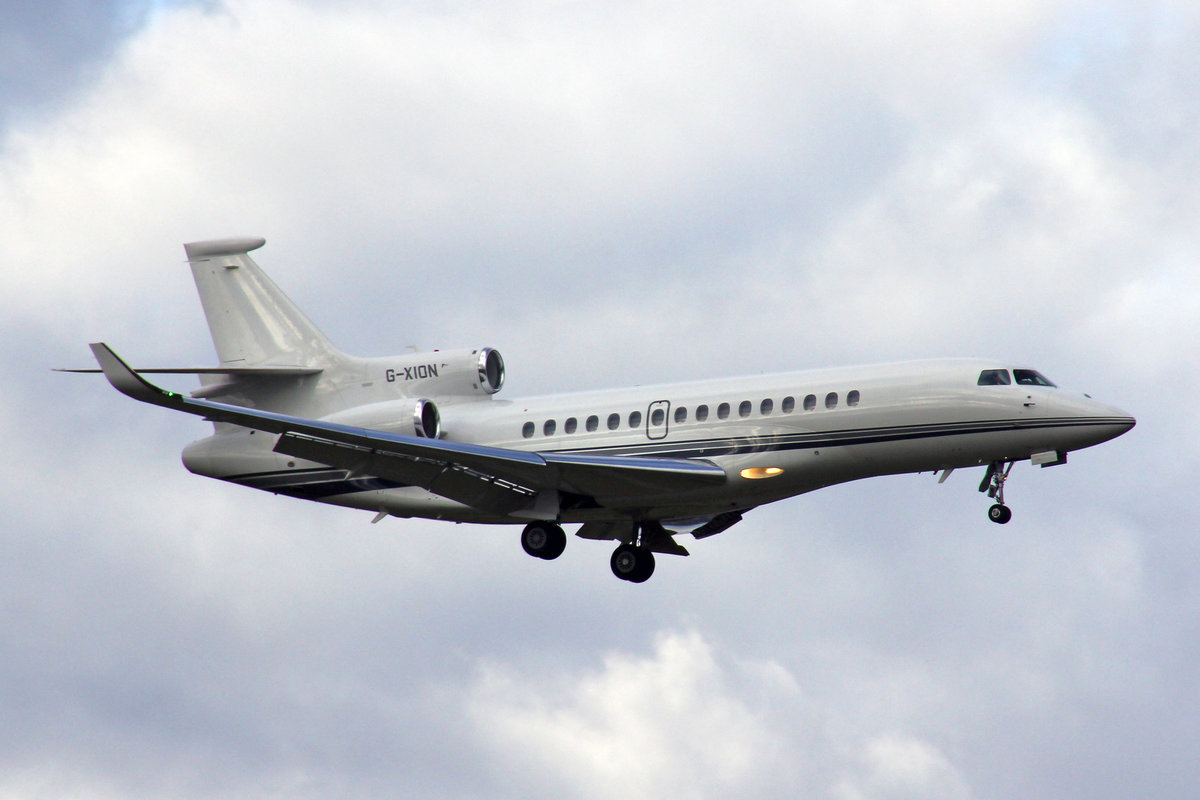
x=447, y=372
x=426, y=421
x=409, y=417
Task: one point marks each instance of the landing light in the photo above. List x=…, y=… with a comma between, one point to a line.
x=754, y=473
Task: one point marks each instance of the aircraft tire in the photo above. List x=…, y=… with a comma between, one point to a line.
x=544, y=540
x=633, y=564
x=999, y=514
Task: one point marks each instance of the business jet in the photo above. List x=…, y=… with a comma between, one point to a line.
x=424, y=435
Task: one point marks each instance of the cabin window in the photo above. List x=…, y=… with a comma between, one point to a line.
x=723, y=411
x=614, y=421
x=1030, y=377
x=766, y=407
x=788, y=405
x=680, y=414
x=528, y=430
x=744, y=408
x=810, y=402
x=994, y=377
x=635, y=419
x=592, y=423
x=658, y=417
x=701, y=413
x=548, y=428
x=570, y=425
x=853, y=398
x=831, y=400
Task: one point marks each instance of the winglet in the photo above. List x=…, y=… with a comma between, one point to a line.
x=126, y=381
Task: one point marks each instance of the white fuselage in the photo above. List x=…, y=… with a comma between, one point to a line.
x=775, y=436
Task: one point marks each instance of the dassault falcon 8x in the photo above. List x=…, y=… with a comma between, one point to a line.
x=424, y=435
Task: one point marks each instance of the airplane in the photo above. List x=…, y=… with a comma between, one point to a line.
x=424, y=435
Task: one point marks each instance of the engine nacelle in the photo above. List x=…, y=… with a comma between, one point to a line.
x=447, y=372
x=408, y=417
x=426, y=421
x=490, y=369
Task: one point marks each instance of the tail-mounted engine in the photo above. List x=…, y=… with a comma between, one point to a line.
x=447, y=372
x=408, y=417
x=426, y=421
x=398, y=399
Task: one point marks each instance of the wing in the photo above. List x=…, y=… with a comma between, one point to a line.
x=492, y=479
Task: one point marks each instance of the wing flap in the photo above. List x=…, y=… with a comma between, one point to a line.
x=442, y=477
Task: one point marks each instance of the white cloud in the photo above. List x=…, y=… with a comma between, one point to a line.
x=687, y=720
x=903, y=767
x=673, y=722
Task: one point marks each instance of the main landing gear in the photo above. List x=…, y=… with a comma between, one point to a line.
x=993, y=484
x=544, y=540
x=633, y=561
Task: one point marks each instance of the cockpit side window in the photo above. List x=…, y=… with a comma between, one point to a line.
x=1031, y=377
x=994, y=377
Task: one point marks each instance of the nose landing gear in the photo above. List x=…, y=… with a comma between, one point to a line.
x=993, y=484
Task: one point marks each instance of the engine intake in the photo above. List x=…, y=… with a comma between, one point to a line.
x=427, y=421
x=407, y=417
x=491, y=370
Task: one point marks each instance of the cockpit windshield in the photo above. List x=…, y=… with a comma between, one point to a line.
x=1024, y=377
x=1031, y=377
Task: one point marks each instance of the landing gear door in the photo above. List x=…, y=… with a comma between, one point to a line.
x=657, y=416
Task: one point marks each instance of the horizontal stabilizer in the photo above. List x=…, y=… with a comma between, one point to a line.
x=257, y=372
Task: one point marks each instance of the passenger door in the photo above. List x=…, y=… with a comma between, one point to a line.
x=658, y=419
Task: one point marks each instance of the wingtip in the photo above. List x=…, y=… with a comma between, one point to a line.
x=122, y=376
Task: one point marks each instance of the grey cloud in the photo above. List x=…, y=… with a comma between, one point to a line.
x=49, y=49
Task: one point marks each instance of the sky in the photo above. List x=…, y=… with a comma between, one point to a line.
x=634, y=194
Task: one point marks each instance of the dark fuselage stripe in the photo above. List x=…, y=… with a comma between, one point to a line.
x=707, y=448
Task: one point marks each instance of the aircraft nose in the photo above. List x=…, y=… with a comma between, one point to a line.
x=1100, y=420
x=1119, y=418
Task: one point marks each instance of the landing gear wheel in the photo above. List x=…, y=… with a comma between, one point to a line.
x=993, y=483
x=633, y=564
x=999, y=514
x=543, y=540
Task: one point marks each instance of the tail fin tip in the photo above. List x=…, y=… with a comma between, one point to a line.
x=222, y=247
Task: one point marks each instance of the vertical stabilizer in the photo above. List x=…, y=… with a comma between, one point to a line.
x=251, y=320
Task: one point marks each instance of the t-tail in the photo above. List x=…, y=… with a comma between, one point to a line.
x=272, y=357
x=253, y=323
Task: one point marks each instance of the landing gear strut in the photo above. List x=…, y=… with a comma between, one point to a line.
x=544, y=540
x=993, y=484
